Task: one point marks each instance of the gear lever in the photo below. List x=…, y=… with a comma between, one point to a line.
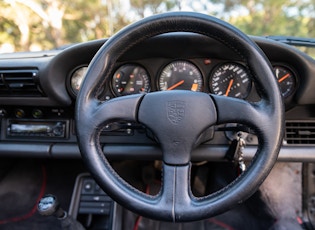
x=49, y=205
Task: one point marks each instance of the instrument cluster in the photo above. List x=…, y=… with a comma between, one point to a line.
x=222, y=78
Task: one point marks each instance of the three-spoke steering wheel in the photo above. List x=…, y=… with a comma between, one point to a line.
x=177, y=118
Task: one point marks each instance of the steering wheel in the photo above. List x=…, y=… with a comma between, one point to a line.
x=177, y=118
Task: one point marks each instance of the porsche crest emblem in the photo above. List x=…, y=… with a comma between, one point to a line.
x=175, y=111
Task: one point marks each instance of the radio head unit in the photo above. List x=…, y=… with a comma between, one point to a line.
x=37, y=128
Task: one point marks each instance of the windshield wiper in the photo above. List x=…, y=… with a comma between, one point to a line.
x=295, y=41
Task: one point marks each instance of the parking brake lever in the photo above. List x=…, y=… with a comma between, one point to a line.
x=49, y=206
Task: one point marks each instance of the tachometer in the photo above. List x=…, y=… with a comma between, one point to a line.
x=230, y=79
x=130, y=79
x=180, y=75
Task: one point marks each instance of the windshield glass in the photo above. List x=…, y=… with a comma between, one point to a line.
x=33, y=25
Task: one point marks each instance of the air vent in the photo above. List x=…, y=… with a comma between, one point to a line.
x=300, y=132
x=19, y=83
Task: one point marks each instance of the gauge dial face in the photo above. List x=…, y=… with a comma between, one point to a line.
x=130, y=79
x=286, y=80
x=230, y=79
x=180, y=75
x=77, y=78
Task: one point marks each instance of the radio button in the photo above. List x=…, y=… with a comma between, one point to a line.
x=58, y=130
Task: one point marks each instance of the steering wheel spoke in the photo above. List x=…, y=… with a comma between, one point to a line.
x=233, y=110
x=118, y=109
x=176, y=187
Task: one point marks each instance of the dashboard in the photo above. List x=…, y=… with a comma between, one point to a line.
x=219, y=77
x=38, y=92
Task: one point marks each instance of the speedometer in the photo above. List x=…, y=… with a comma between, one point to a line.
x=180, y=75
x=230, y=79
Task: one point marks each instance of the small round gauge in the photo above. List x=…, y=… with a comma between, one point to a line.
x=77, y=78
x=130, y=79
x=286, y=80
x=180, y=75
x=230, y=79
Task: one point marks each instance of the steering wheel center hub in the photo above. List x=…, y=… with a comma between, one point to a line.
x=177, y=118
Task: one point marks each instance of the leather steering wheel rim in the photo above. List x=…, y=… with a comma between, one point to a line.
x=175, y=201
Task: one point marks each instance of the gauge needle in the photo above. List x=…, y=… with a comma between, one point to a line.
x=176, y=85
x=229, y=88
x=284, y=77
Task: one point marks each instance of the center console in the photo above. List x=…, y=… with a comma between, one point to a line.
x=91, y=205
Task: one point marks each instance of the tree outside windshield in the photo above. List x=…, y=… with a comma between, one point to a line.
x=31, y=25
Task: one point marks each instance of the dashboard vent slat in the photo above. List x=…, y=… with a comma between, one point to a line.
x=300, y=132
x=20, y=83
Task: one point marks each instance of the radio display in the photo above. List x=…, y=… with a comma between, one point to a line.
x=37, y=128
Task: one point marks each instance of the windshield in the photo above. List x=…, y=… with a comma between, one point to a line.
x=34, y=25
